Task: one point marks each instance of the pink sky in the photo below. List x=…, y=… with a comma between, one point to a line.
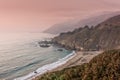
x=37, y=15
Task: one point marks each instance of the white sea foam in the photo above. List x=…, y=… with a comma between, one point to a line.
x=24, y=55
x=47, y=67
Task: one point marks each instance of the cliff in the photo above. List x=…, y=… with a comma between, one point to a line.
x=104, y=36
x=105, y=66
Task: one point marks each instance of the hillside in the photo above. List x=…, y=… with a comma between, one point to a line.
x=104, y=36
x=105, y=66
x=71, y=25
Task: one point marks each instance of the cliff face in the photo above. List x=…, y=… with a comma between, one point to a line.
x=105, y=35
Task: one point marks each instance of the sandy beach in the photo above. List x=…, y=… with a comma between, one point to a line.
x=78, y=59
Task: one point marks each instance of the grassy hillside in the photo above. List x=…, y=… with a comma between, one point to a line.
x=105, y=66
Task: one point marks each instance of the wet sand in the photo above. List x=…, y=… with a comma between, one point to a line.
x=78, y=59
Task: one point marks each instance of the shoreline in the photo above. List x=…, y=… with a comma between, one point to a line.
x=73, y=59
x=47, y=68
x=77, y=59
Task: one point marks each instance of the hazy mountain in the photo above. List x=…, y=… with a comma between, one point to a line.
x=71, y=25
x=105, y=35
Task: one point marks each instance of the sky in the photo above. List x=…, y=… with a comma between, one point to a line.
x=38, y=15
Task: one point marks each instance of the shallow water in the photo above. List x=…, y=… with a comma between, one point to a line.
x=20, y=54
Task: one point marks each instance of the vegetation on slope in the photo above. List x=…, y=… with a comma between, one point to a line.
x=105, y=66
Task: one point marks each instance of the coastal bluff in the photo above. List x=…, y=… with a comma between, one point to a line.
x=104, y=36
x=105, y=66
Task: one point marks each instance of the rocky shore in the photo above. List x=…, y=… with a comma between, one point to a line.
x=104, y=36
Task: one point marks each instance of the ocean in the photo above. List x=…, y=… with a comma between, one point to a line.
x=20, y=54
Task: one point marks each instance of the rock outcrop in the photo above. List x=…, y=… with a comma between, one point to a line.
x=104, y=36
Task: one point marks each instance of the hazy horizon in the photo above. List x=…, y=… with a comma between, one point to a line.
x=37, y=15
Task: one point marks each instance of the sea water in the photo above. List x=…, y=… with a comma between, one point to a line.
x=20, y=54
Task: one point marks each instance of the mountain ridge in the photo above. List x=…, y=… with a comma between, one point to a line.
x=104, y=36
x=71, y=25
